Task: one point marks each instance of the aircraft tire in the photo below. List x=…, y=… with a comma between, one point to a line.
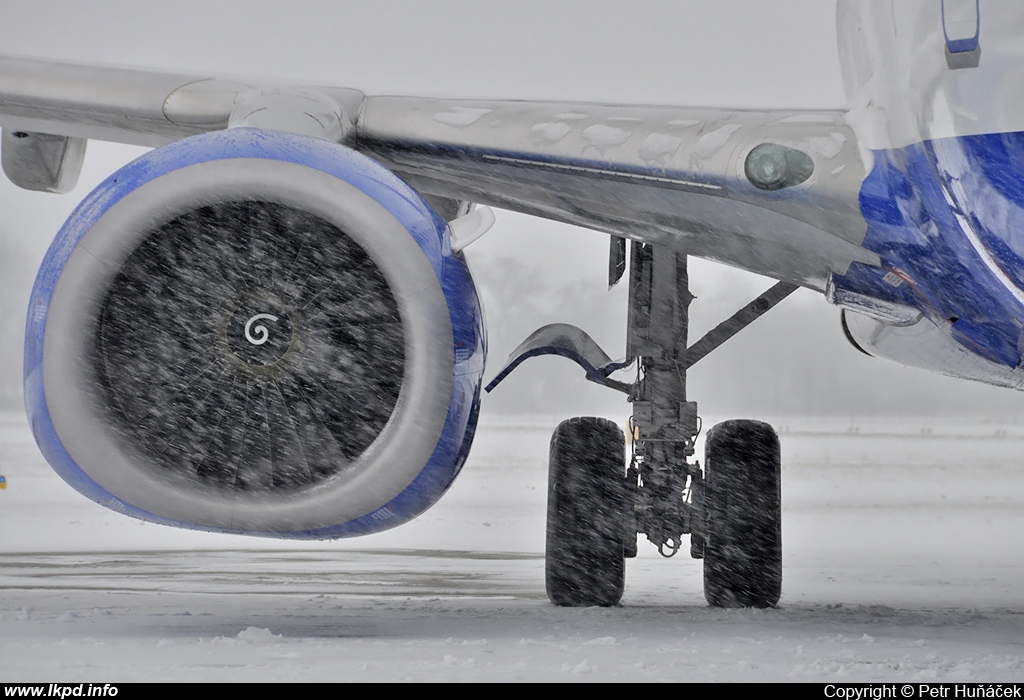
x=584, y=562
x=743, y=505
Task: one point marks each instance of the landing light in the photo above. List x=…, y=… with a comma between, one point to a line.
x=771, y=167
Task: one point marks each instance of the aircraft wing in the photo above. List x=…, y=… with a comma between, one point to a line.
x=110, y=104
x=667, y=175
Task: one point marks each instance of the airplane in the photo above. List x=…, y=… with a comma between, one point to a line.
x=266, y=325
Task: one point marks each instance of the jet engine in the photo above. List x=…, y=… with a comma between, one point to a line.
x=258, y=332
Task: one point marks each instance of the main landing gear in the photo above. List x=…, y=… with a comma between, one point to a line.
x=597, y=504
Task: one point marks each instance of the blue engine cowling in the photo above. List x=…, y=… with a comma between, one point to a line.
x=255, y=332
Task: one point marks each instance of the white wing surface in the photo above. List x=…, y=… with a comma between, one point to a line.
x=669, y=175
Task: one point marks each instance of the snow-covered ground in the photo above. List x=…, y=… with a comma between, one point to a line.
x=903, y=561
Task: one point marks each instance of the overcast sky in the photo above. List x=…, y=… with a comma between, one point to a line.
x=738, y=53
x=725, y=52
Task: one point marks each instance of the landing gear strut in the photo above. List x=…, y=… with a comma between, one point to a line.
x=731, y=509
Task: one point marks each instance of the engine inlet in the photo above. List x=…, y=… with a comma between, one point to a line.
x=250, y=345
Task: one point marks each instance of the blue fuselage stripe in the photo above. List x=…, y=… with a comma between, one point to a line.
x=918, y=202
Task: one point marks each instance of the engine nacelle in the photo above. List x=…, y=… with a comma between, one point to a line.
x=252, y=331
